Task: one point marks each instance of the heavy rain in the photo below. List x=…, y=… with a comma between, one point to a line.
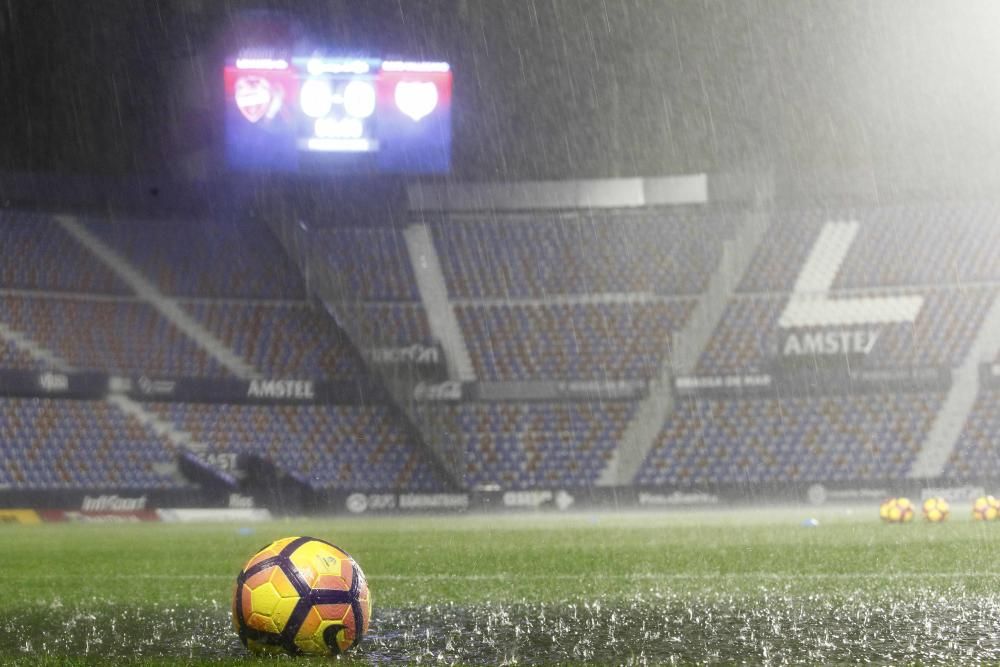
x=499, y=331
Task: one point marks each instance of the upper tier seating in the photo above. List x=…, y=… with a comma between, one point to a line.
x=371, y=264
x=570, y=341
x=36, y=254
x=330, y=447
x=819, y=439
x=200, y=258
x=280, y=340
x=540, y=254
x=389, y=324
x=60, y=444
x=896, y=246
x=128, y=337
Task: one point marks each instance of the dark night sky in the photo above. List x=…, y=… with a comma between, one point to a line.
x=547, y=88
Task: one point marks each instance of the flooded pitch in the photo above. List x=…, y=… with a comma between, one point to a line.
x=769, y=628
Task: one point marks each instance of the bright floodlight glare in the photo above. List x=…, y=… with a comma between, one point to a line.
x=316, y=98
x=359, y=99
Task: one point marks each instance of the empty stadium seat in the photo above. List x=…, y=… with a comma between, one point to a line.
x=62, y=444
x=121, y=336
x=14, y=358
x=389, y=324
x=287, y=340
x=976, y=455
x=817, y=439
x=36, y=254
x=540, y=254
x=372, y=264
x=538, y=445
x=746, y=339
x=570, y=341
x=936, y=244
x=206, y=258
x=353, y=448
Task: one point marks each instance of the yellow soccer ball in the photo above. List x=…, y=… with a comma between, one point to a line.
x=301, y=595
x=986, y=508
x=896, y=510
x=936, y=510
x=883, y=509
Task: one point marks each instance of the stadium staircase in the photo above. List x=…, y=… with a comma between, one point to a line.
x=434, y=294
x=688, y=344
x=950, y=420
x=737, y=253
x=640, y=434
x=167, y=307
x=179, y=439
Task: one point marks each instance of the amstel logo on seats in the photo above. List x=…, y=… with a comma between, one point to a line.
x=816, y=323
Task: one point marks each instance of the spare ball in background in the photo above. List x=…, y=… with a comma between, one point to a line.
x=883, y=509
x=897, y=510
x=936, y=509
x=986, y=508
x=301, y=595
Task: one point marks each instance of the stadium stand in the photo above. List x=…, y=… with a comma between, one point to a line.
x=36, y=254
x=946, y=244
x=537, y=255
x=946, y=261
x=538, y=297
x=539, y=445
x=576, y=340
x=119, y=336
x=833, y=438
x=281, y=340
x=976, y=455
x=201, y=258
x=15, y=358
x=397, y=324
x=372, y=263
x=234, y=280
x=747, y=337
x=329, y=447
x=60, y=444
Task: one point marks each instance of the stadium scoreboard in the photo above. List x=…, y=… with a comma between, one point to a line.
x=325, y=114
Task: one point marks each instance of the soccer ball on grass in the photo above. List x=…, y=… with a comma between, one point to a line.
x=986, y=508
x=301, y=595
x=896, y=510
x=936, y=510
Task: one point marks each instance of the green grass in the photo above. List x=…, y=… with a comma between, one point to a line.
x=699, y=586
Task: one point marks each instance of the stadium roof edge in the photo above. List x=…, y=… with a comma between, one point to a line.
x=556, y=195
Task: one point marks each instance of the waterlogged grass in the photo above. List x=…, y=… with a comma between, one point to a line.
x=635, y=589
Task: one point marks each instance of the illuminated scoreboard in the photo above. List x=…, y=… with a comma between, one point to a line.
x=326, y=114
